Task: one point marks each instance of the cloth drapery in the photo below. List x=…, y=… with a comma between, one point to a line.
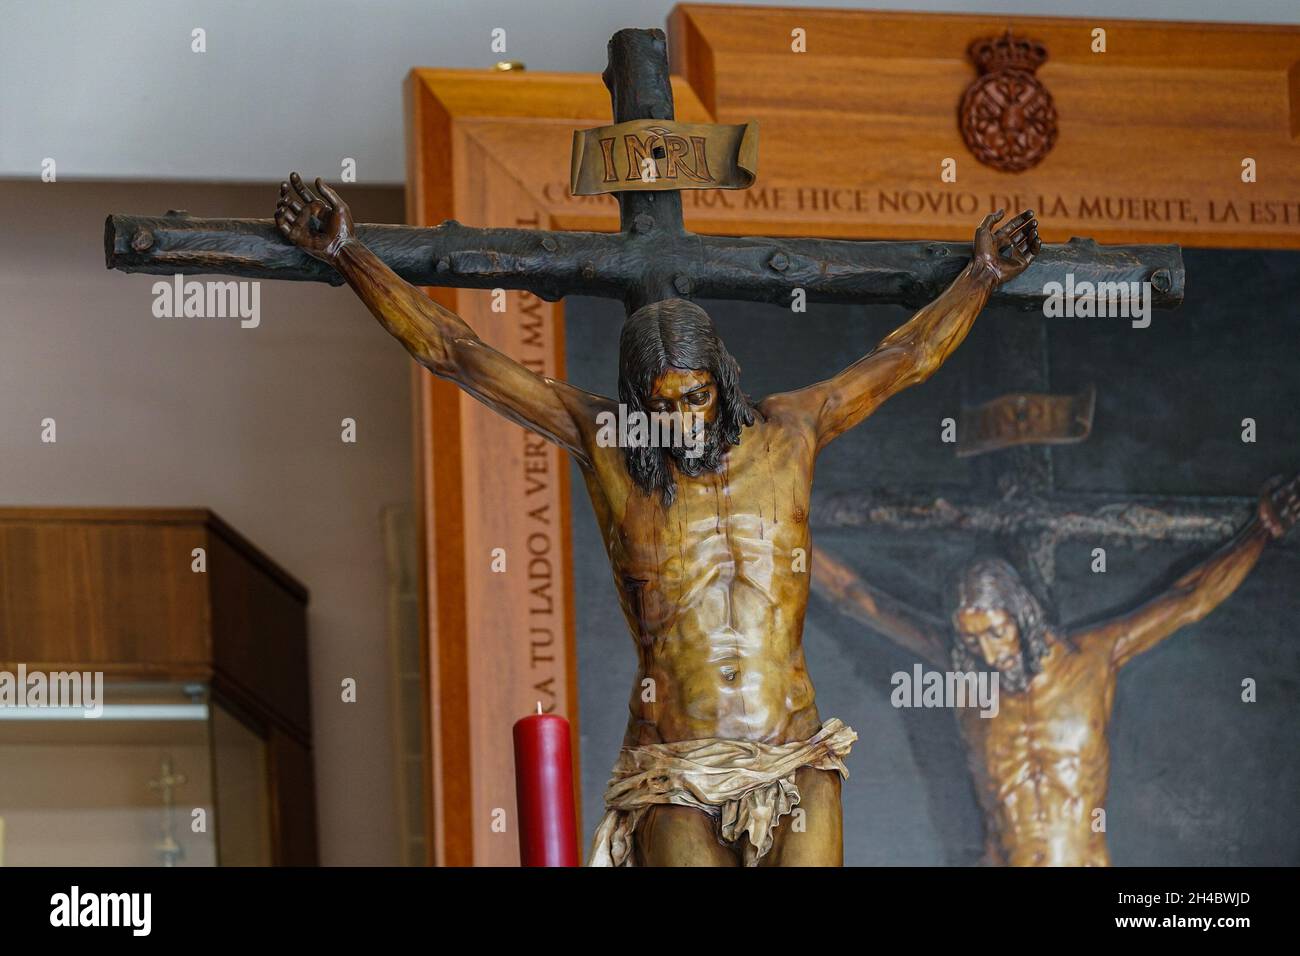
x=746, y=787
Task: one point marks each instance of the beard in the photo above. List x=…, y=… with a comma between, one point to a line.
x=1016, y=677
x=654, y=469
x=710, y=454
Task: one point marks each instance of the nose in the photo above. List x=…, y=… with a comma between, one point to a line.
x=989, y=649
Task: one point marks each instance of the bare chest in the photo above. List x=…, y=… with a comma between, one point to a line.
x=1057, y=727
x=747, y=520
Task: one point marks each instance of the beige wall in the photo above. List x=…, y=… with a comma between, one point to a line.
x=201, y=412
x=249, y=105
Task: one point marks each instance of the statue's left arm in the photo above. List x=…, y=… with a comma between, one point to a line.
x=911, y=628
x=1205, y=587
x=915, y=350
x=320, y=223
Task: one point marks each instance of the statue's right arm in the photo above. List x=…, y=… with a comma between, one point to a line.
x=437, y=338
x=443, y=343
x=910, y=628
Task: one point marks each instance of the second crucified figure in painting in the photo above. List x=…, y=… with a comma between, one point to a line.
x=1041, y=764
x=704, y=545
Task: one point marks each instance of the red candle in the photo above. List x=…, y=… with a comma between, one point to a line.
x=544, y=791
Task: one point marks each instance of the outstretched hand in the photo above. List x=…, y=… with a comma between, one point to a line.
x=317, y=222
x=1009, y=251
x=1279, y=505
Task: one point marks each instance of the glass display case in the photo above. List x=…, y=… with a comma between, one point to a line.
x=164, y=776
x=194, y=748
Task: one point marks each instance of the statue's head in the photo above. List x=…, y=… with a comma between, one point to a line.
x=670, y=359
x=999, y=624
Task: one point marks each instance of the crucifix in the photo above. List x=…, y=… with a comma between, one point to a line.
x=169, y=851
x=707, y=535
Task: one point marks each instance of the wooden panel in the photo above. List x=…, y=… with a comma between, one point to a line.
x=853, y=132
x=1152, y=132
x=81, y=588
x=259, y=637
x=114, y=588
x=439, y=510
x=293, y=801
x=499, y=642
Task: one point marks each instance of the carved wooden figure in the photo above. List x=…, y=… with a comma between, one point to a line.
x=705, y=548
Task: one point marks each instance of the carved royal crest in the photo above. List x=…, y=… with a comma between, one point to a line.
x=1006, y=116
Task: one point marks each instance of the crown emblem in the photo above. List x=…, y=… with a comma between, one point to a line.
x=1007, y=52
x=1006, y=115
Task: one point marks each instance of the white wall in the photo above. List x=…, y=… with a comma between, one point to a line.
x=201, y=412
x=110, y=89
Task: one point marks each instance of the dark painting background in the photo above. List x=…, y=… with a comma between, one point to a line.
x=1198, y=777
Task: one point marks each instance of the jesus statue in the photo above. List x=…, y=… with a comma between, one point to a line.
x=725, y=749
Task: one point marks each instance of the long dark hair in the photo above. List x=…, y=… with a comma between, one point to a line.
x=678, y=334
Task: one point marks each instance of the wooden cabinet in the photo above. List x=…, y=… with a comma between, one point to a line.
x=201, y=644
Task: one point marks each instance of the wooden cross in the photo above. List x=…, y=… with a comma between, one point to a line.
x=1029, y=527
x=653, y=257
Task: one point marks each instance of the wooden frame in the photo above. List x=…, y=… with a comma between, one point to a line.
x=876, y=97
